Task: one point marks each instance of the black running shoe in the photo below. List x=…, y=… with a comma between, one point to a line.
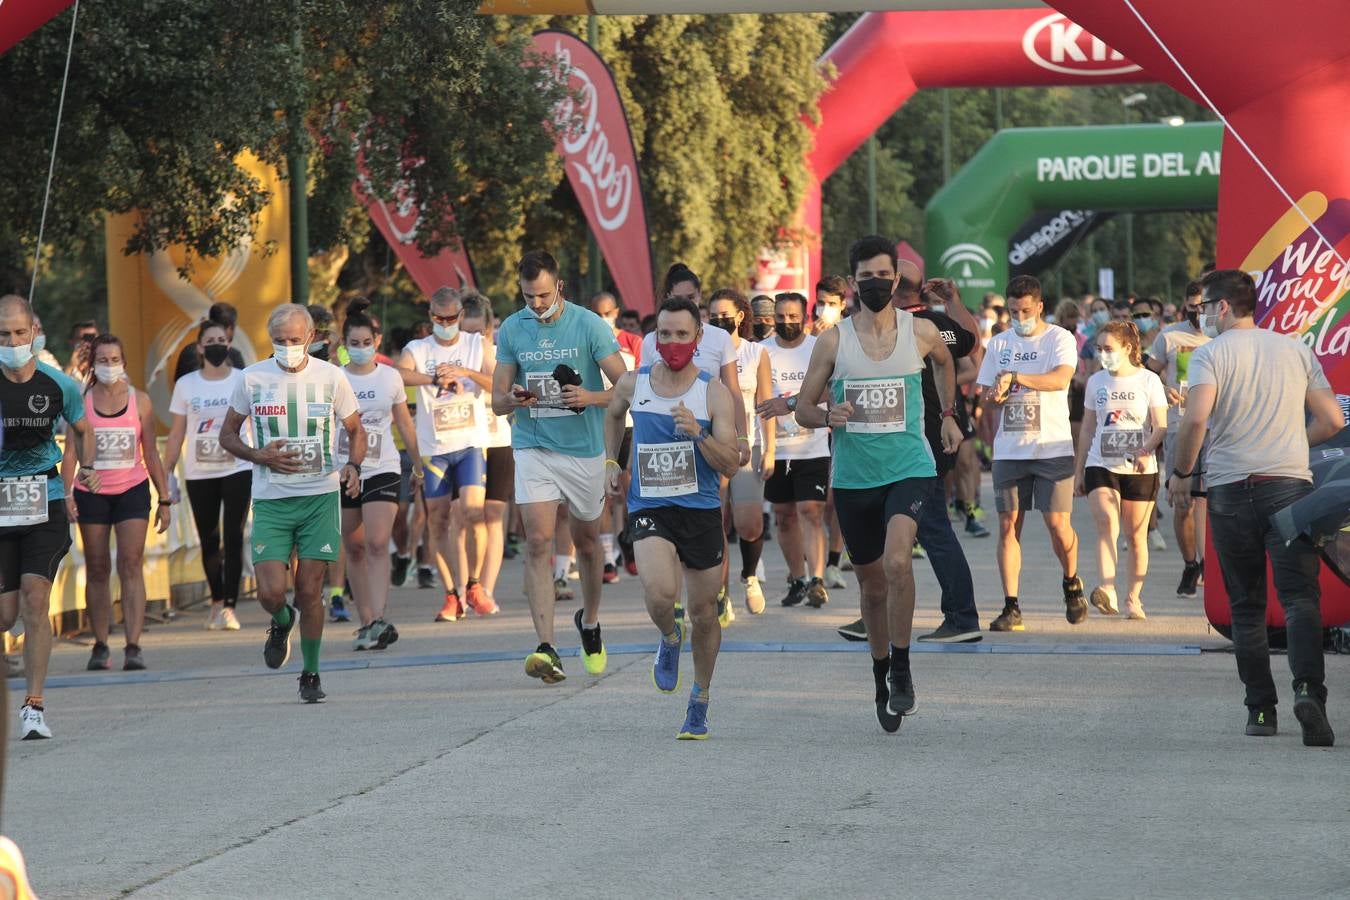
x=1190, y=579
x=948, y=633
x=278, y=647
x=1261, y=722
x=398, y=569
x=1075, y=604
x=890, y=723
x=816, y=595
x=1311, y=712
x=98, y=658
x=310, y=691
x=854, y=631
x=133, y=661
x=1008, y=620
x=900, y=686
x=425, y=577
x=796, y=592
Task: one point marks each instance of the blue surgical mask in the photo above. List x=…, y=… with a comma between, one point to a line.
x=1101, y=317
x=1111, y=360
x=16, y=357
x=444, y=332
x=1144, y=325
x=39, y=344
x=1024, y=327
x=361, y=355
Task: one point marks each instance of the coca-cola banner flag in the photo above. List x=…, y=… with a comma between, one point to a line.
x=601, y=164
x=399, y=222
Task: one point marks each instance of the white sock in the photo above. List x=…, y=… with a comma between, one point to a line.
x=607, y=547
x=559, y=568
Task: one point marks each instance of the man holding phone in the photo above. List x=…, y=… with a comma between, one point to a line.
x=550, y=357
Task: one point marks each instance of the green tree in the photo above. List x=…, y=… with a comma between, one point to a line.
x=164, y=94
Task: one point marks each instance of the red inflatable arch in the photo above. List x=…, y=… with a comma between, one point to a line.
x=885, y=57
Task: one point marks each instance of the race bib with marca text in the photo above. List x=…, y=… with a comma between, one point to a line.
x=546, y=388
x=114, y=448
x=23, y=500
x=666, y=470
x=878, y=405
x=1022, y=413
x=451, y=413
x=310, y=459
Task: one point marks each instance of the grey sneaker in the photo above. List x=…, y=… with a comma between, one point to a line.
x=133, y=661
x=854, y=631
x=98, y=658
x=948, y=633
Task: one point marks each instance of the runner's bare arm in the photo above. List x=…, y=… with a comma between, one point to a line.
x=1190, y=436
x=404, y=423
x=84, y=453
x=818, y=372
x=621, y=398
x=720, y=448
x=1087, y=430
x=274, y=456
x=173, y=444
x=154, y=466
x=1057, y=379
x=356, y=437
x=944, y=379
x=504, y=397
x=407, y=368
x=1326, y=419
x=731, y=380
x=764, y=393
x=965, y=371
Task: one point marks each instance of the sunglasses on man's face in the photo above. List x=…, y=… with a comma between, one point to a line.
x=1142, y=315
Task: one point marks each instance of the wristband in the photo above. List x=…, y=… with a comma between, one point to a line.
x=166, y=503
x=1176, y=473
x=948, y=413
x=614, y=463
x=743, y=439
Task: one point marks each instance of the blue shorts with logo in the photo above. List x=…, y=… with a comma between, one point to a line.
x=449, y=473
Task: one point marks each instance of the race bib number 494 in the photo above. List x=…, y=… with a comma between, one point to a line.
x=666, y=470
x=878, y=404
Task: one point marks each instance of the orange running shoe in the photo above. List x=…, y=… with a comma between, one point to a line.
x=478, y=600
x=13, y=872
x=453, y=608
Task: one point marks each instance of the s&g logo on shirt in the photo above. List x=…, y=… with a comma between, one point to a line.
x=1101, y=396
x=365, y=395
x=1029, y=356
x=1122, y=395
x=200, y=403
x=1005, y=356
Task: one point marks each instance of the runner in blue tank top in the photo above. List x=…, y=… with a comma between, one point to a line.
x=873, y=364
x=684, y=439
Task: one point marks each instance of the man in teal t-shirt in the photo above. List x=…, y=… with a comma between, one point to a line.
x=550, y=356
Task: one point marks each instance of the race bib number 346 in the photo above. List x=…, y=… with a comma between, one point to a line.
x=878, y=405
x=666, y=470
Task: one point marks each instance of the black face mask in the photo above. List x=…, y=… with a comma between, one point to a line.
x=789, y=331
x=216, y=354
x=1193, y=318
x=319, y=350
x=760, y=330
x=726, y=323
x=874, y=293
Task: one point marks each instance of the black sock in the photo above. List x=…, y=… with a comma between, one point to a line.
x=879, y=669
x=833, y=559
x=1070, y=579
x=899, y=659
x=751, y=551
x=1010, y=602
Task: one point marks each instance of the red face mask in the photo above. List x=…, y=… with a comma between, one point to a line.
x=677, y=356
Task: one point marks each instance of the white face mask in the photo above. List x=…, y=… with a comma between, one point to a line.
x=1111, y=360
x=829, y=315
x=445, y=332
x=1024, y=327
x=109, y=374
x=289, y=355
x=548, y=313
x=940, y=308
x=1209, y=325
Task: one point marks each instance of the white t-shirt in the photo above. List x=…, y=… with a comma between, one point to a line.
x=788, y=365
x=377, y=393
x=305, y=408
x=1031, y=424
x=714, y=351
x=1174, y=345
x=1124, y=421
x=748, y=355
x=204, y=403
x=448, y=422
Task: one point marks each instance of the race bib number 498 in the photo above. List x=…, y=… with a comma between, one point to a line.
x=878, y=404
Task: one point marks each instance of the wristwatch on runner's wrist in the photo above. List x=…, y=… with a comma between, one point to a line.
x=354, y=465
x=792, y=403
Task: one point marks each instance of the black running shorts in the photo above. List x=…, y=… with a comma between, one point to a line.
x=865, y=514
x=382, y=488
x=696, y=533
x=34, y=549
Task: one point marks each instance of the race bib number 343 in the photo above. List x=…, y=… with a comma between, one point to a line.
x=666, y=470
x=1022, y=413
x=878, y=405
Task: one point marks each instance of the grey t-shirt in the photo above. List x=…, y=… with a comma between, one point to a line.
x=1261, y=380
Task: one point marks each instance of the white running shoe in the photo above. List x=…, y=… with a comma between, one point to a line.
x=1156, y=541
x=214, y=621
x=32, y=724
x=754, y=596
x=759, y=570
x=834, y=578
x=228, y=620
x=1134, y=609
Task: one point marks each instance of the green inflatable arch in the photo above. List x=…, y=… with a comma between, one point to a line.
x=1023, y=170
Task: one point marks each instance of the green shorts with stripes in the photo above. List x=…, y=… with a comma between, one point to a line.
x=311, y=526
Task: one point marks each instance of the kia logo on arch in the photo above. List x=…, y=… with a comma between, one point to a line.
x=1059, y=45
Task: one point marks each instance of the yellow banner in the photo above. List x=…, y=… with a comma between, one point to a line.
x=156, y=312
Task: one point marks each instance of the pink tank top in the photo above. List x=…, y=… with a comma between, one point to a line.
x=117, y=446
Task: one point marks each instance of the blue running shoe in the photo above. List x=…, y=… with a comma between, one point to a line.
x=337, y=610
x=666, y=669
x=695, y=726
